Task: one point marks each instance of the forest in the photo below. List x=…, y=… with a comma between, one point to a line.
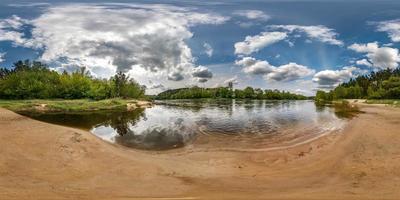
x=34, y=80
x=228, y=92
x=384, y=84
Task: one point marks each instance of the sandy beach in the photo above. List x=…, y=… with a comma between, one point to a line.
x=44, y=161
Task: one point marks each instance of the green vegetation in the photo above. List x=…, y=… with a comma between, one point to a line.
x=61, y=105
x=393, y=102
x=384, y=84
x=34, y=80
x=228, y=92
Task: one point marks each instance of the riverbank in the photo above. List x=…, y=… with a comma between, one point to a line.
x=76, y=105
x=45, y=161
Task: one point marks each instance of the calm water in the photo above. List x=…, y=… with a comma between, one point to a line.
x=222, y=124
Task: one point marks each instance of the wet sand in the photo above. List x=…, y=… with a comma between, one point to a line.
x=45, y=161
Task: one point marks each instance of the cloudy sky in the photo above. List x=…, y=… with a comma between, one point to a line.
x=293, y=45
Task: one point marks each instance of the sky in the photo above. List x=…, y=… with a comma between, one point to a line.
x=299, y=46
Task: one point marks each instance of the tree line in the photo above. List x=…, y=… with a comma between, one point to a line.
x=384, y=84
x=228, y=92
x=34, y=80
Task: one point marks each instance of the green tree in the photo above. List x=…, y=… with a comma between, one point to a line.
x=248, y=93
x=34, y=80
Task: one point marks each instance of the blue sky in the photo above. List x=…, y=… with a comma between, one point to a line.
x=299, y=46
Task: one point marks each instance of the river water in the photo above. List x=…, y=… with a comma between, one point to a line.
x=210, y=124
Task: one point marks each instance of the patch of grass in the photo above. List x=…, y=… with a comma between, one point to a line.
x=393, y=102
x=344, y=109
x=61, y=105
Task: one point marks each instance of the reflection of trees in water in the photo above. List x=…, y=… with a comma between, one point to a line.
x=182, y=105
x=320, y=108
x=122, y=121
x=341, y=110
x=119, y=120
x=153, y=139
x=197, y=105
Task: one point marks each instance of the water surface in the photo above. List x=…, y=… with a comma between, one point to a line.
x=208, y=124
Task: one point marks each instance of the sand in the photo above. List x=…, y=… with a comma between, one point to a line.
x=45, y=161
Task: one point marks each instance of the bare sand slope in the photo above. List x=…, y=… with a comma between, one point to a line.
x=44, y=161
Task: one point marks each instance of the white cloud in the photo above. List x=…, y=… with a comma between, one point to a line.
x=328, y=79
x=252, y=14
x=364, y=62
x=253, y=66
x=208, y=49
x=10, y=30
x=29, y=4
x=111, y=37
x=288, y=72
x=290, y=43
x=388, y=44
x=2, y=54
x=319, y=32
x=255, y=43
x=379, y=57
x=392, y=27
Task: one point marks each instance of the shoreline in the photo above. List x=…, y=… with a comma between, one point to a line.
x=73, y=105
x=47, y=161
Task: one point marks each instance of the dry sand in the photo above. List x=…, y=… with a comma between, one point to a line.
x=44, y=161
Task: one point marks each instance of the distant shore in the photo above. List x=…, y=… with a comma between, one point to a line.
x=45, y=161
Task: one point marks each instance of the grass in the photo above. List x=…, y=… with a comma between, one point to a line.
x=393, y=102
x=61, y=105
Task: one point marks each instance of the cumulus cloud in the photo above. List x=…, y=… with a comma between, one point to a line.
x=379, y=57
x=255, y=43
x=208, y=49
x=202, y=74
x=175, y=76
x=252, y=14
x=253, y=66
x=328, y=79
x=319, y=32
x=2, y=54
x=288, y=72
x=391, y=27
x=114, y=37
